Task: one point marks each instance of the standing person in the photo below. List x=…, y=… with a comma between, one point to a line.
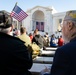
x=65, y=57
x=38, y=39
x=60, y=41
x=14, y=56
x=24, y=37
x=53, y=42
x=47, y=38
x=17, y=33
x=45, y=41
x=31, y=36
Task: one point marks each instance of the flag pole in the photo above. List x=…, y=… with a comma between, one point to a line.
x=15, y=5
x=14, y=8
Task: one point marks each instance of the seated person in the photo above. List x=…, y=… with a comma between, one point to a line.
x=53, y=42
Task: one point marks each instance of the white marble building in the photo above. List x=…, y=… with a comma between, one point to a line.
x=46, y=19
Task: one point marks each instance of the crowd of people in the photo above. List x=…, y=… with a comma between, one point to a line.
x=15, y=57
x=46, y=40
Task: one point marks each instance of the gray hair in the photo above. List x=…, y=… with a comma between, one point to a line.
x=74, y=22
x=5, y=30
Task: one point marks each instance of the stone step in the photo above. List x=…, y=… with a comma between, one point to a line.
x=41, y=59
x=50, y=48
x=48, y=53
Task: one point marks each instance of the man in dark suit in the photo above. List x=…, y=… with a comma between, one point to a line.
x=64, y=62
x=14, y=56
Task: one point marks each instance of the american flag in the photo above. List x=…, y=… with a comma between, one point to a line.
x=18, y=13
x=38, y=25
x=42, y=26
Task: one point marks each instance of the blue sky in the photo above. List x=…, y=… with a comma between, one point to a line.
x=59, y=5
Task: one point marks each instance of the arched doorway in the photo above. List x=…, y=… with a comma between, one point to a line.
x=38, y=20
